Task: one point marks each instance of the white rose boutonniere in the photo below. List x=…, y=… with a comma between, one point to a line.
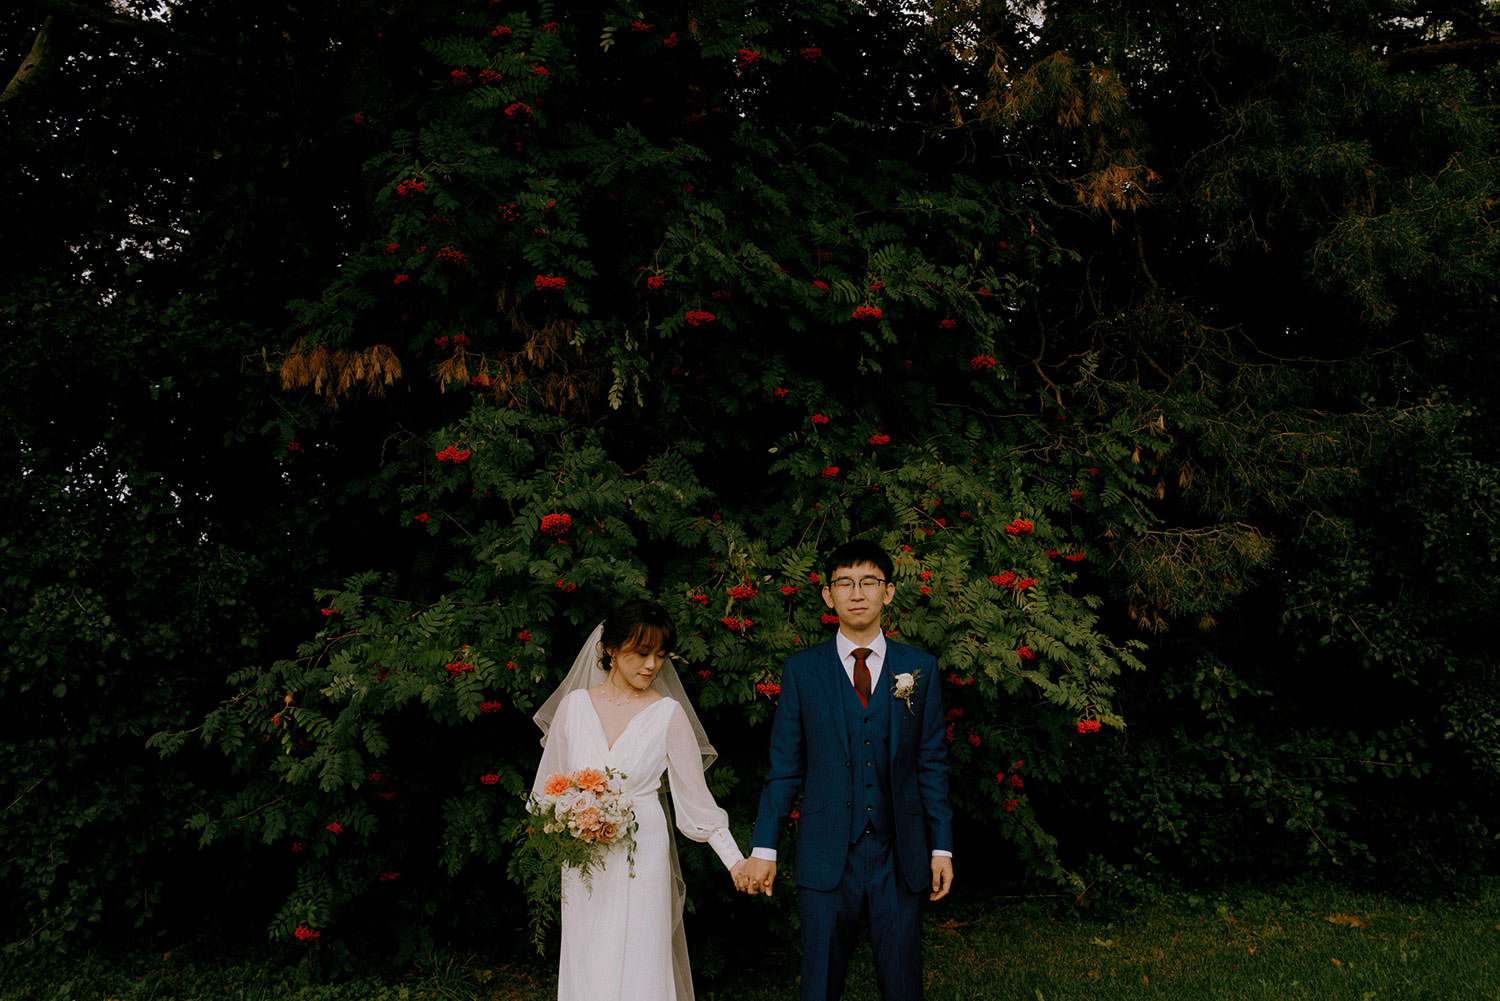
x=906, y=686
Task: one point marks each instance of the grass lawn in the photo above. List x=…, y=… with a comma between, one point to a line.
x=1251, y=945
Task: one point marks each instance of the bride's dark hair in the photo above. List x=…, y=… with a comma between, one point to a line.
x=635, y=623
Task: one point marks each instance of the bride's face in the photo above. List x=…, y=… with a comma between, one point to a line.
x=638, y=661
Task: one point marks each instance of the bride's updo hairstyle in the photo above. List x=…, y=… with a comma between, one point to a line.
x=635, y=623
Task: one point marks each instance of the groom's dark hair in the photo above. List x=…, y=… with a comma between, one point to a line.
x=855, y=552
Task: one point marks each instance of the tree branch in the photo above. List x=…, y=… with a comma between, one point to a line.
x=31, y=65
x=1440, y=53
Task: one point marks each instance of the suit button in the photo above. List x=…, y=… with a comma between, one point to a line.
x=848, y=804
x=867, y=764
x=869, y=808
x=867, y=740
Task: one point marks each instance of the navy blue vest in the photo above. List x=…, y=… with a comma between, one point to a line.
x=870, y=757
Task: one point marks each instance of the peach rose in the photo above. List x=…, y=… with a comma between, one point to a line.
x=557, y=785
x=590, y=779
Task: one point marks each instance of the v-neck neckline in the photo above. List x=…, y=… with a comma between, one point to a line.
x=599, y=720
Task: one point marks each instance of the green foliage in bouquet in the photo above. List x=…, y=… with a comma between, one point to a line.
x=569, y=825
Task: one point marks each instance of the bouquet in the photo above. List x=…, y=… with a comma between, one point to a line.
x=572, y=822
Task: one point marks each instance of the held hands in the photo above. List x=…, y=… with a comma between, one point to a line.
x=754, y=875
x=942, y=877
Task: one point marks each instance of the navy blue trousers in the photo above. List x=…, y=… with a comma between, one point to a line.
x=868, y=893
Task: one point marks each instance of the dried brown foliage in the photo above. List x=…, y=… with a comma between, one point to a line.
x=335, y=373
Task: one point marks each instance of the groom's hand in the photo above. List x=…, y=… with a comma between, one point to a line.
x=762, y=874
x=942, y=876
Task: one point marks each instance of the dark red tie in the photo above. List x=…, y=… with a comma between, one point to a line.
x=862, y=675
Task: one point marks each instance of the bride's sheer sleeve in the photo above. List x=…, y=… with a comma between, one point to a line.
x=698, y=816
x=555, y=750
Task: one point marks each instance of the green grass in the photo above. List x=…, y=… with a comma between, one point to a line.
x=1252, y=945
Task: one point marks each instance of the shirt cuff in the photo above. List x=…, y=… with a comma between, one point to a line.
x=769, y=854
x=939, y=853
x=723, y=844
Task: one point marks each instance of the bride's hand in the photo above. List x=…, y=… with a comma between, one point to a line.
x=741, y=877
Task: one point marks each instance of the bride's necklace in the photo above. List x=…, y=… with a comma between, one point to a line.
x=620, y=700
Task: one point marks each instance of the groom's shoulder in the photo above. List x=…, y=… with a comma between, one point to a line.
x=811, y=655
x=909, y=653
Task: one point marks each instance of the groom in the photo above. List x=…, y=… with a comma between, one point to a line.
x=859, y=731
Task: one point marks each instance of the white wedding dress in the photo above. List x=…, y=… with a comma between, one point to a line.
x=622, y=937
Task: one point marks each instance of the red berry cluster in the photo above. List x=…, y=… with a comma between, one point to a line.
x=422, y=516
x=556, y=524
x=880, y=439
x=452, y=255
x=334, y=828
x=489, y=76
x=540, y=70
x=671, y=41
x=489, y=778
x=820, y=285
x=411, y=187
x=1020, y=527
x=948, y=324
x=788, y=589
x=1025, y=653
x=743, y=592
x=735, y=625
x=454, y=454
x=745, y=58
x=459, y=77
x=306, y=934
x=1088, y=726
x=509, y=212
x=640, y=27
x=458, y=667
x=566, y=586
x=698, y=317
x=655, y=283
x=501, y=31
x=865, y=313
x=819, y=419
x=550, y=282
x=829, y=472
x=517, y=108
x=769, y=689
x=401, y=279
x=981, y=363
x=389, y=877
x=699, y=599
x=491, y=706
x=828, y=619
x=811, y=55
x=525, y=637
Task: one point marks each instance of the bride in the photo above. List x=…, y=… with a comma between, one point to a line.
x=623, y=707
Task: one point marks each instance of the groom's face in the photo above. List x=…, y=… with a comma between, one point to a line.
x=858, y=607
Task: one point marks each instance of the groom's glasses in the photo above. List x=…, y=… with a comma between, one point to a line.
x=845, y=585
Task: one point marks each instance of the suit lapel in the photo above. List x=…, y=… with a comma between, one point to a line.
x=835, y=681
x=894, y=661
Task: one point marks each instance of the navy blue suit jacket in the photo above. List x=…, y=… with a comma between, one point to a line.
x=810, y=752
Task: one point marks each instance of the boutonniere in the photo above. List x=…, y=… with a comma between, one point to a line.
x=906, y=686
